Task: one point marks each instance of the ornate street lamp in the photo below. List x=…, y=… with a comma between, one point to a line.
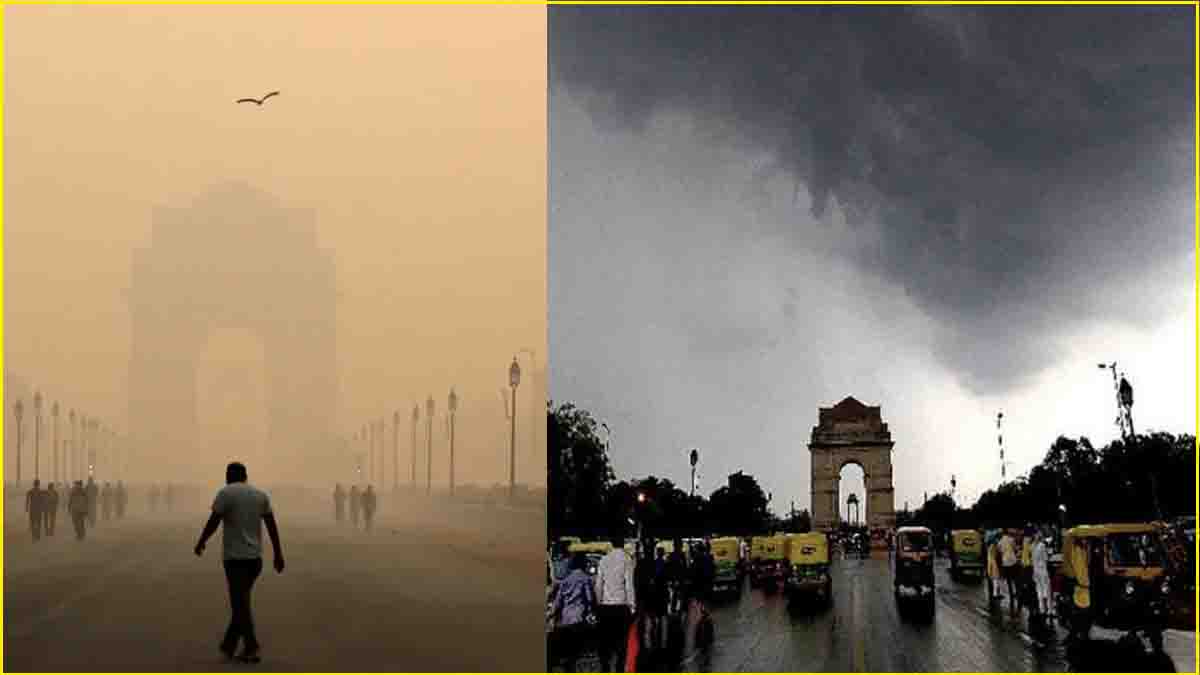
x=18, y=412
x=429, y=440
x=37, y=433
x=54, y=424
x=452, y=404
x=396, y=451
x=514, y=380
x=416, y=417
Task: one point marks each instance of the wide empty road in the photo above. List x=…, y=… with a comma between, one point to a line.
x=432, y=588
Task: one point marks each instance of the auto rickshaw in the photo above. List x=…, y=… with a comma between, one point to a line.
x=913, y=568
x=769, y=567
x=594, y=550
x=727, y=556
x=1113, y=576
x=808, y=561
x=966, y=553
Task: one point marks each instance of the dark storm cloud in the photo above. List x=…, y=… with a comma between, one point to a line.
x=1025, y=168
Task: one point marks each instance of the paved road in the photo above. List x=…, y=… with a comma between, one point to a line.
x=861, y=630
x=463, y=594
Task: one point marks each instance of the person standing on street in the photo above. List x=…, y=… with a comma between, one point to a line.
x=93, y=497
x=51, y=510
x=106, y=501
x=77, y=504
x=369, y=506
x=617, y=604
x=35, y=504
x=241, y=509
x=122, y=499
x=355, y=505
x=1041, y=579
x=1009, y=568
x=574, y=611
x=339, y=503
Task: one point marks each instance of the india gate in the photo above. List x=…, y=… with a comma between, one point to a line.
x=852, y=433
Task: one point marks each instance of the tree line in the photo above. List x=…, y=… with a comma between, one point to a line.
x=1132, y=480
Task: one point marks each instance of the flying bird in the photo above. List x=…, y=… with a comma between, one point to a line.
x=259, y=101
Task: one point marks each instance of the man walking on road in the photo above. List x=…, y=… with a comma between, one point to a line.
x=617, y=602
x=1008, y=568
x=339, y=503
x=77, y=504
x=93, y=499
x=51, y=510
x=122, y=498
x=355, y=505
x=368, y=506
x=106, y=501
x=242, y=509
x=35, y=503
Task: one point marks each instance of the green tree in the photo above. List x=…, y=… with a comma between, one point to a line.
x=579, y=474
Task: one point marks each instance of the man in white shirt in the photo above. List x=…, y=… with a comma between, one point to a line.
x=241, y=508
x=617, y=604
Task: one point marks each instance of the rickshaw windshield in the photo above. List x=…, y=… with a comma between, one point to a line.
x=1134, y=550
x=914, y=542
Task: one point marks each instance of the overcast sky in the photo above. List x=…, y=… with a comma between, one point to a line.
x=945, y=212
x=416, y=135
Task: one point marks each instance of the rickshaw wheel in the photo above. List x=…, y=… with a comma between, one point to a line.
x=1156, y=640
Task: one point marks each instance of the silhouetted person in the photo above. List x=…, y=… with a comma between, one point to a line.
x=153, y=498
x=77, y=504
x=368, y=506
x=51, y=511
x=169, y=494
x=242, y=509
x=339, y=503
x=106, y=501
x=35, y=504
x=93, y=499
x=122, y=499
x=355, y=505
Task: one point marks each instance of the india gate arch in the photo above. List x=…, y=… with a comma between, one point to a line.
x=233, y=257
x=852, y=433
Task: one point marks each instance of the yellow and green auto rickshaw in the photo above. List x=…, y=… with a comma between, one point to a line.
x=1114, y=576
x=594, y=550
x=727, y=554
x=913, y=567
x=966, y=553
x=769, y=568
x=808, y=562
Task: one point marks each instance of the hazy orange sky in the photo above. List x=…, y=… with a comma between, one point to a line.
x=417, y=134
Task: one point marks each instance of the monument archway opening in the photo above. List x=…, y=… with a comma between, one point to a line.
x=851, y=491
x=851, y=433
x=233, y=257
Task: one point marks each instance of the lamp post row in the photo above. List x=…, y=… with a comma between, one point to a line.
x=373, y=433
x=74, y=455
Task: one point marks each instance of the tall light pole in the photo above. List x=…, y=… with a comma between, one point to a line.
x=70, y=455
x=37, y=434
x=429, y=407
x=514, y=380
x=533, y=379
x=1000, y=441
x=416, y=417
x=91, y=442
x=694, y=458
x=54, y=425
x=452, y=404
x=396, y=451
x=18, y=412
x=381, y=423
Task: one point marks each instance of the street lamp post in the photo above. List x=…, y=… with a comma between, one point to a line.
x=37, y=434
x=72, y=459
x=54, y=425
x=396, y=451
x=18, y=412
x=514, y=380
x=694, y=458
x=452, y=403
x=429, y=407
x=416, y=417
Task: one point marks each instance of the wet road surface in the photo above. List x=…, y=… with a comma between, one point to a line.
x=861, y=630
x=407, y=596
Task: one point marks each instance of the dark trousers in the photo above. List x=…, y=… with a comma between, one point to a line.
x=51, y=517
x=35, y=524
x=614, y=636
x=241, y=575
x=80, y=520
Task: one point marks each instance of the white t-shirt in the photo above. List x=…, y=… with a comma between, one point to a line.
x=241, y=507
